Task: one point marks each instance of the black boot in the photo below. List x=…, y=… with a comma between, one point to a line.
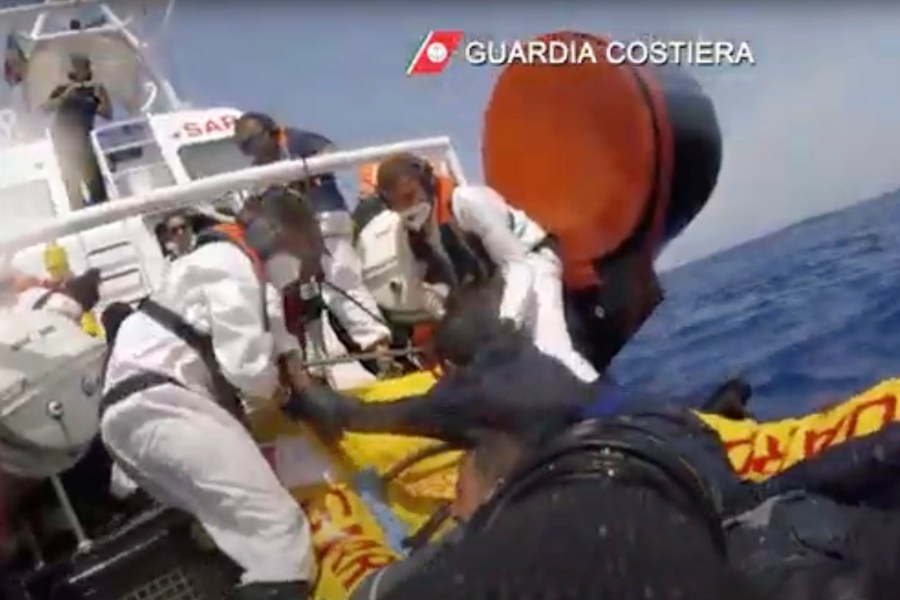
x=286, y=590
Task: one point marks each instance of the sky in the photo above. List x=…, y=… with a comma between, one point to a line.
x=811, y=127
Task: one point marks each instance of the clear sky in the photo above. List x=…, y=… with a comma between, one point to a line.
x=813, y=126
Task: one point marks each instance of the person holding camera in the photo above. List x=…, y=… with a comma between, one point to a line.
x=76, y=105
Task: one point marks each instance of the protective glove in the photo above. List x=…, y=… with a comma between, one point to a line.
x=326, y=410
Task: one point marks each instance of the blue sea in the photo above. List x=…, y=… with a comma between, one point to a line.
x=808, y=315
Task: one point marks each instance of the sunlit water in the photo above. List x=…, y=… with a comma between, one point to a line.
x=807, y=315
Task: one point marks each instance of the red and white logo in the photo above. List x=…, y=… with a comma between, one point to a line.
x=434, y=52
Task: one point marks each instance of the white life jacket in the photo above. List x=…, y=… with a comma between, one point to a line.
x=390, y=270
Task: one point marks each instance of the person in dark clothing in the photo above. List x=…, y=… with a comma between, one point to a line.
x=806, y=533
x=76, y=105
x=625, y=524
x=258, y=136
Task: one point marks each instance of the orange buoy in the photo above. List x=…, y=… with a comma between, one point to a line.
x=601, y=154
x=615, y=160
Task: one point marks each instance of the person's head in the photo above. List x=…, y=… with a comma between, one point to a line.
x=81, y=70
x=470, y=323
x=507, y=387
x=84, y=289
x=407, y=185
x=367, y=181
x=282, y=227
x=256, y=135
x=178, y=234
x=506, y=401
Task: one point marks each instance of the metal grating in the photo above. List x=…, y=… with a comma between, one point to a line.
x=174, y=585
x=153, y=557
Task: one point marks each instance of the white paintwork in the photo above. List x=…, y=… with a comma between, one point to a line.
x=186, y=158
x=194, y=164
x=197, y=192
x=48, y=370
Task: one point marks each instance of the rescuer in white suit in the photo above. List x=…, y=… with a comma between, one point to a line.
x=257, y=135
x=169, y=415
x=472, y=229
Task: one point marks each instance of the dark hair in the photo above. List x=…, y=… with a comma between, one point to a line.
x=400, y=165
x=265, y=121
x=84, y=289
x=509, y=387
x=470, y=321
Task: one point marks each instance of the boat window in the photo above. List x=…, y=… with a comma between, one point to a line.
x=134, y=160
x=26, y=205
x=212, y=158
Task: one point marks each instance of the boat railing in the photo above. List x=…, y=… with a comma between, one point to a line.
x=200, y=191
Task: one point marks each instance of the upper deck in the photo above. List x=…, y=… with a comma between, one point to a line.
x=153, y=140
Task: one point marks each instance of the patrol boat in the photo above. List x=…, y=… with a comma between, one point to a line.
x=158, y=154
x=155, y=139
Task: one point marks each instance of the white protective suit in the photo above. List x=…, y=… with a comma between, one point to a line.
x=532, y=295
x=347, y=297
x=182, y=447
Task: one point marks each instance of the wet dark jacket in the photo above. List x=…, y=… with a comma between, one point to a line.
x=800, y=546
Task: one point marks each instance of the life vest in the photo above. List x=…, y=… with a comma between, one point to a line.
x=468, y=260
x=235, y=234
x=298, y=309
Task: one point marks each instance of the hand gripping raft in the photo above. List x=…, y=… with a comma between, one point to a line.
x=615, y=160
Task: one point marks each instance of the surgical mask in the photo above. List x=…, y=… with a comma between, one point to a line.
x=416, y=215
x=282, y=270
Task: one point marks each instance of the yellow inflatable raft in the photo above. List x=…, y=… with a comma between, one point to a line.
x=349, y=541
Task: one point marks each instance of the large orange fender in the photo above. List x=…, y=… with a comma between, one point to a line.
x=611, y=158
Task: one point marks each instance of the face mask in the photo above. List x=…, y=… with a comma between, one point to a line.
x=282, y=270
x=416, y=216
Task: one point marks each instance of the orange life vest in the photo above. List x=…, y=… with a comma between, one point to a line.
x=236, y=234
x=367, y=179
